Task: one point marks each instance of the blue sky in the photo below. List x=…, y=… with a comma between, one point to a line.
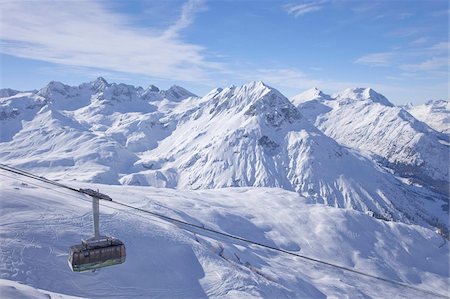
x=399, y=48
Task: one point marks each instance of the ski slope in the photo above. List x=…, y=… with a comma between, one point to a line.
x=40, y=222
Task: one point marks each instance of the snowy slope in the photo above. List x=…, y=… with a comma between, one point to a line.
x=436, y=114
x=365, y=120
x=39, y=225
x=10, y=289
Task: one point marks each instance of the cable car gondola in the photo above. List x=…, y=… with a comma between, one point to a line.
x=97, y=251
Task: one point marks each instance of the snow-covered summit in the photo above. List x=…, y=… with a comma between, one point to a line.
x=55, y=88
x=176, y=93
x=362, y=94
x=254, y=99
x=99, y=84
x=309, y=95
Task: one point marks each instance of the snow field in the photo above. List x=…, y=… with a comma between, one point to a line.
x=163, y=261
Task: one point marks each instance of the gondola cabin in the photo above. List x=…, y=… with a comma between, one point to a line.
x=90, y=255
x=98, y=251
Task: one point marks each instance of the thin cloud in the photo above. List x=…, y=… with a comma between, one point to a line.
x=376, y=59
x=442, y=46
x=420, y=40
x=301, y=9
x=404, y=32
x=404, y=15
x=86, y=34
x=189, y=10
x=365, y=6
x=432, y=64
x=424, y=58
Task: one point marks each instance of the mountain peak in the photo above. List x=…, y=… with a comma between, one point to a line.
x=363, y=94
x=153, y=88
x=255, y=85
x=253, y=90
x=100, y=80
x=54, y=87
x=255, y=99
x=309, y=95
x=99, y=84
x=177, y=93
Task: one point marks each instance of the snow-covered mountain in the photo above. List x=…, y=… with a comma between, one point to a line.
x=309, y=95
x=90, y=132
x=436, y=114
x=238, y=136
x=168, y=261
x=253, y=136
x=365, y=120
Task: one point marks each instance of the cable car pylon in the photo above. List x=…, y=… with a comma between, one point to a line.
x=97, y=251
